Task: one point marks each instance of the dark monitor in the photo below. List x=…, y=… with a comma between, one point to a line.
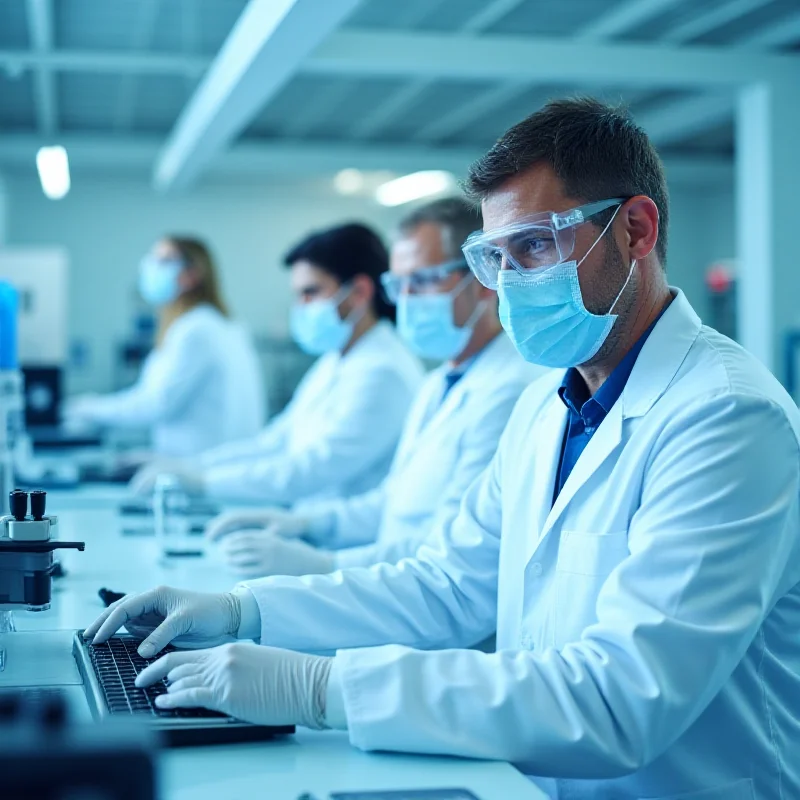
x=43, y=394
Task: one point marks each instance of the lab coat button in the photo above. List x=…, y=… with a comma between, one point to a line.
x=536, y=569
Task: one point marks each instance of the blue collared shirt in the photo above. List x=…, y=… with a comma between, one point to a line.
x=586, y=412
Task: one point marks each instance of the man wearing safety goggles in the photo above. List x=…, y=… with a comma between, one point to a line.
x=634, y=539
x=450, y=434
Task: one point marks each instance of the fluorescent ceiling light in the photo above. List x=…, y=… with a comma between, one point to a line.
x=53, y=166
x=349, y=181
x=414, y=186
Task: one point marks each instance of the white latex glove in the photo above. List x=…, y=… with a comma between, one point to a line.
x=80, y=410
x=191, y=480
x=164, y=615
x=275, y=520
x=257, y=554
x=262, y=685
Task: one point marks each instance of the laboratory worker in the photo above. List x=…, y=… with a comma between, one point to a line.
x=450, y=434
x=338, y=434
x=635, y=538
x=201, y=386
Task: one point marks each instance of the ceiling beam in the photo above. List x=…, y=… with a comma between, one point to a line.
x=710, y=20
x=318, y=105
x=404, y=98
x=492, y=12
x=262, y=53
x=40, y=25
x=252, y=160
x=393, y=106
x=142, y=36
x=450, y=123
x=139, y=153
x=623, y=18
x=781, y=34
x=105, y=62
x=684, y=118
x=538, y=60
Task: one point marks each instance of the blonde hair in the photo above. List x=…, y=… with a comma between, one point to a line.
x=195, y=255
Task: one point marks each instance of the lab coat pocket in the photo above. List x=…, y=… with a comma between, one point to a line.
x=741, y=790
x=585, y=560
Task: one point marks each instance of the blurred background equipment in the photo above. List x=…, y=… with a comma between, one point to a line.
x=48, y=756
x=374, y=103
x=721, y=288
x=27, y=544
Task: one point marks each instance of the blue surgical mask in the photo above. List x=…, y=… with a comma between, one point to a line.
x=317, y=327
x=425, y=323
x=159, y=280
x=545, y=318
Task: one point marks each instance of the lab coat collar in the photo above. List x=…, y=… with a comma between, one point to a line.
x=369, y=342
x=661, y=357
x=483, y=369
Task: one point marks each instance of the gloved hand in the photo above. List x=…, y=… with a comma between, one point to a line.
x=262, y=685
x=191, y=480
x=164, y=615
x=275, y=520
x=256, y=554
x=80, y=410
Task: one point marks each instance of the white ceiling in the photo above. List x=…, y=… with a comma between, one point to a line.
x=123, y=70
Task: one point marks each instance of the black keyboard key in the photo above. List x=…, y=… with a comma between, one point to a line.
x=117, y=663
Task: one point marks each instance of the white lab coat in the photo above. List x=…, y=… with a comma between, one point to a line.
x=445, y=445
x=336, y=437
x=200, y=388
x=648, y=624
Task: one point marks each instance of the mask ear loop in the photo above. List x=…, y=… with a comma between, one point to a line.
x=356, y=315
x=480, y=306
x=633, y=261
x=627, y=281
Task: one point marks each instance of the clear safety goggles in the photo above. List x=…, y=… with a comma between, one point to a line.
x=533, y=243
x=421, y=281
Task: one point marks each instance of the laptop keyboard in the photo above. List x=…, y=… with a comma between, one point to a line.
x=116, y=664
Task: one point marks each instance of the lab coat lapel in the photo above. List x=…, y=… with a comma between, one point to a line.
x=443, y=414
x=423, y=412
x=481, y=373
x=660, y=359
x=604, y=442
x=548, y=437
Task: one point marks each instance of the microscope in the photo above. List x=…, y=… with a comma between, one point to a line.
x=26, y=556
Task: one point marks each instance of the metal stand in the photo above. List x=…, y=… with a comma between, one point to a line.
x=7, y=624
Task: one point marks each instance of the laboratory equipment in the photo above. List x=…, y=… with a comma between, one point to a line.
x=26, y=556
x=109, y=671
x=11, y=393
x=43, y=394
x=173, y=526
x=47, y=755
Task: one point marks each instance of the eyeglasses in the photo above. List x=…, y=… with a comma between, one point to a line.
x=421, y=281
x=533, y=243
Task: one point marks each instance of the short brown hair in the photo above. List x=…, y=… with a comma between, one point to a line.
x=455, y=216
x=597, y=151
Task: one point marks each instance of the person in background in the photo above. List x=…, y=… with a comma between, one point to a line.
x=201, y=386
x=338, y=434
x=634, y=540
x=450, y=434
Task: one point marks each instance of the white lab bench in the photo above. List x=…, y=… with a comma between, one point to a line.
x=39, y=654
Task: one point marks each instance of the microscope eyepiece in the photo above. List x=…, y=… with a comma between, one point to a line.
x=38, y=504
x=18, y=504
